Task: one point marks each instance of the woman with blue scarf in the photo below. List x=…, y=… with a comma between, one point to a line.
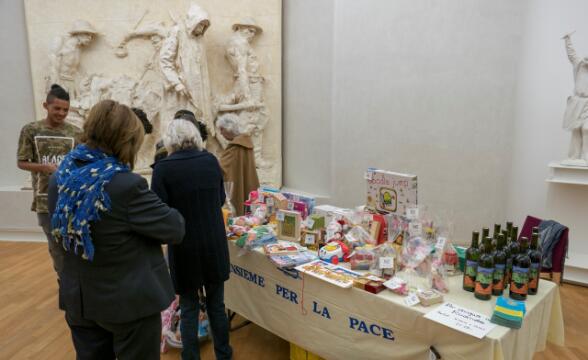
x=115, y=281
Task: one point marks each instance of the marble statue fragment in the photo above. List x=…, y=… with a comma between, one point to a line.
x=576, y=112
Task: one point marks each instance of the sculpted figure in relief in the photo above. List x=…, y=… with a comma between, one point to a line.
x=183, y=63
x=247, y=98
x=65, y=57
x=149, y=94
x=577, y=108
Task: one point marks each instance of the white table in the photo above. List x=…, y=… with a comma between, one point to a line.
x=338, y=323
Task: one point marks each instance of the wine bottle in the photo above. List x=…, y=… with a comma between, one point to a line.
x=508, y=227
x=534, y=272
x=499, y=266
x=496, y=231
x=515, y=233
x=485, y=274
x=485, y=233
x=472, y=256
x=521, y=264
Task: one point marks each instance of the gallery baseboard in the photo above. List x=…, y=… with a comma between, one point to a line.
x=24, y=234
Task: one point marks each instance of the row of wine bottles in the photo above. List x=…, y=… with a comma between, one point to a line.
x=503, y=260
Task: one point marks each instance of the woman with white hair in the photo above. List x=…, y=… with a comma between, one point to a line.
x=238, y=161
x=190, y=180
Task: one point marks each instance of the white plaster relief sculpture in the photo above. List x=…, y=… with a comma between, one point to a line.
x=66, y=56
x=247, y=97
x=576, y=114
x=150, y=92
x=162, y=62
x=184, y=66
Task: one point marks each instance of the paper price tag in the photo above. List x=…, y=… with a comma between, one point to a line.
x=412, y=299
x=309, y=239
x=290, y=205
x=440, y=245
x=269, y=201
x=415, y=228
x=309, y=223
x=412, y=213
x=280, y=216
x=386, y=262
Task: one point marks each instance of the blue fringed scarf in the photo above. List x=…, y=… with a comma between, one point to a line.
x=82, y=196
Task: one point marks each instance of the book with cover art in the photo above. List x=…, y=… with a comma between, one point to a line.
x=390, y=192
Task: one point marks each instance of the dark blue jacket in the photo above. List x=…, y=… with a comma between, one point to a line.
x=191, y=181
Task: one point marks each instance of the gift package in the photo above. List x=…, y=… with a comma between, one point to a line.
x=391, y=242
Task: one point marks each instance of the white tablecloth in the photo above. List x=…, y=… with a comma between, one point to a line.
x=338, y=323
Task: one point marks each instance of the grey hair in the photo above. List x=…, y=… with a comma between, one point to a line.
x=229, y=122
x=181, y=135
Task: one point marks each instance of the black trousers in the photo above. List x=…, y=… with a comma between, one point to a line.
x=139, y=339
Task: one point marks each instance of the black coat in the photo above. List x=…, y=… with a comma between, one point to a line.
x=191, y=181
x=128, y=278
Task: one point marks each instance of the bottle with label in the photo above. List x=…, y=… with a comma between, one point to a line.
x=521, y=264
x=512, y=250
x=485, y=232
x=534, y=271
x=499, y=266
x=472, y=256
x=485, y=275
x=508, y=227
x=514, y=233
x=496, y=231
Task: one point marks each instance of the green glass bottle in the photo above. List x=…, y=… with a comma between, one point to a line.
x=472, y=256
x=514, y=233
x=499, y=266
x=534, y=271
x=508, y=227
x=485, y=232
x=496, y=231
x=521, y=264
x=485, y=275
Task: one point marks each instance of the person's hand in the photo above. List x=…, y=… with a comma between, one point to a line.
x=50, y=168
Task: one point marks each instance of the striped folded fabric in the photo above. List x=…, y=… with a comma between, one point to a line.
x=509, y=313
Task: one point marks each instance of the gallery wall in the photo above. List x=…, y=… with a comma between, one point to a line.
x=16, y=92
x=423, y=87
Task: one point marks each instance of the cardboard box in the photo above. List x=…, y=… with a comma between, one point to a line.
x=390, y=192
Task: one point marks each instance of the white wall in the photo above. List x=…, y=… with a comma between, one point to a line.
x=544, y=82
x=424, y=87
x=307, y=69
x=16, y=94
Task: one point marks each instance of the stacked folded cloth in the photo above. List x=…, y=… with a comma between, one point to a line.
x=509, y=313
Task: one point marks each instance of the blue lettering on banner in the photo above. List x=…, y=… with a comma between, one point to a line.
x=287, y=294
x=324, y=312
x=373, y=329
x=248, y=275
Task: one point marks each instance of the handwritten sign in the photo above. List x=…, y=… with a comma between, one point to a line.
x=461, y=319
